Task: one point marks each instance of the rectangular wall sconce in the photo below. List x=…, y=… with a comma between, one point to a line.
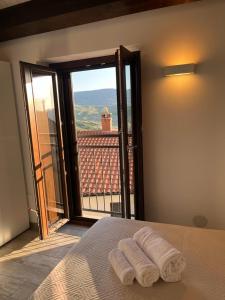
x=185, y=69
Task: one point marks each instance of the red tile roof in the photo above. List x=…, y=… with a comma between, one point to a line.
x=99, y=162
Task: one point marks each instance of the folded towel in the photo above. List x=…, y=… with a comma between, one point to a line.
x=121, y=266
x=169, y=260
x=146, y=272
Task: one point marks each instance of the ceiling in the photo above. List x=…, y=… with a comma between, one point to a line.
x=20, y=18
x=8, y=3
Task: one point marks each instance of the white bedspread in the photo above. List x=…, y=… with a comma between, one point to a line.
x=85, y=273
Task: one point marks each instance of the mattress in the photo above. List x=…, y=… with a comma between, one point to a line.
x=85, y=273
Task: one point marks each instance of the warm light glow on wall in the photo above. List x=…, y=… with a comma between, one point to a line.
x=181, y=90
x=181, y=49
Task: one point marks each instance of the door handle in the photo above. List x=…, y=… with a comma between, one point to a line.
x=131, y=147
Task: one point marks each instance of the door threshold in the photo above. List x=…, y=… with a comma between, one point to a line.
x=58, y=224
x=83, y=221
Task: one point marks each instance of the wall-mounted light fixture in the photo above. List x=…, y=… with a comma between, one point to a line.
x=185, y=69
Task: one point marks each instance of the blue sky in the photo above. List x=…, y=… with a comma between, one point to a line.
x=94, y=79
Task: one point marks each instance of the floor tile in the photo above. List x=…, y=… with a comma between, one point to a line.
x=26, y=261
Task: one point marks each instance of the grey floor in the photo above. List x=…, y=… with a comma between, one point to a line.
x=26, y=261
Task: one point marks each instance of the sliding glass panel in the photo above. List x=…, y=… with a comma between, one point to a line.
x=48, y=143
x=131, y=147
x=123, y=57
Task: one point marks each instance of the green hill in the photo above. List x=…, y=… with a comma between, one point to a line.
x=88, y=106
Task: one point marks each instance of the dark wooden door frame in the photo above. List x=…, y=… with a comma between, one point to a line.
x=69, y=133
x=69, y=137
x=122, y=55
x=125, y=57
x=63, y=70
x=136, y=100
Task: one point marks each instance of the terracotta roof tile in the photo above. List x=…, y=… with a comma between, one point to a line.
x=100, y=165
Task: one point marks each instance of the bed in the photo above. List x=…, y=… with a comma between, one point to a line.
x=84, y=273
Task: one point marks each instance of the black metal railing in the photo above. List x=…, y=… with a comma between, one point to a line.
x=99, y=169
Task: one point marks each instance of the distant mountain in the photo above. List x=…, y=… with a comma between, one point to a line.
x=103, y=97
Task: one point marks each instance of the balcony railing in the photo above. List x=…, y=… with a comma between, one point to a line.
x=99, y=169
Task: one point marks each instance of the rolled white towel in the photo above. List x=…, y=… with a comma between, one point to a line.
x=169, y=260
x=146, y=272
x=121, y=266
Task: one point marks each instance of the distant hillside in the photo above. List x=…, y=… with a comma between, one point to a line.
x=90, y=104
x=103, y=97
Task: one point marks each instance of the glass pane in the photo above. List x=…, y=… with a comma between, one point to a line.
x=96, y=121
x=48, y=144
x=130, y=137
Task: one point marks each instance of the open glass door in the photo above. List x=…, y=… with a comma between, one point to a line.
x=122, y=58
x=102, y=102
x=126, y=108
x=45, y=139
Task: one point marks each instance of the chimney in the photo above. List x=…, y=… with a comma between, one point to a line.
x=106, y=120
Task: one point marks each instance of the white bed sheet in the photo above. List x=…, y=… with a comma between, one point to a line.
x=85, y=273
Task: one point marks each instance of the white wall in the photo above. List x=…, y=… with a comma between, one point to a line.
x=183, y=117
x=13, y=202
